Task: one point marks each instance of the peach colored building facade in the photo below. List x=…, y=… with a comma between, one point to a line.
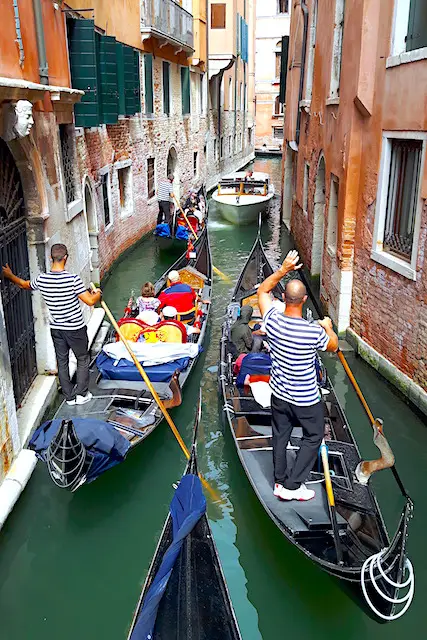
x=355, y=177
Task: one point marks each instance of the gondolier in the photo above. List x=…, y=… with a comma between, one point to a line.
x=294, y=342
x=62, y=292
x=165, y=198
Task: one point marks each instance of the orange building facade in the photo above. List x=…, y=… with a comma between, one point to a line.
x=355, y=177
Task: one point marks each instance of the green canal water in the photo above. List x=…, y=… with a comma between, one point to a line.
x=72, y=565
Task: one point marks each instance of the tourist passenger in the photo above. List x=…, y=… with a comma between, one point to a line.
x=61, y=292
x=178, y=294
x=295, y=399
x=170, y=313
x=147, y=300
x=241, y=334
x=165, y=199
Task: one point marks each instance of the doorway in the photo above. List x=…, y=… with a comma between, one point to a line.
x=172, y=167
x=18, y=312
x=318, y=220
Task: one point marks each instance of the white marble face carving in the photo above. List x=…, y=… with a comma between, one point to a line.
x=17, y=119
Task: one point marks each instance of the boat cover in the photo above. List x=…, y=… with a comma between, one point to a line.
x=181, y=232
x=253, y=363
x=105, y=444
x=163, y=230
x=111, y=369
x=151, y=353
x=187, y=507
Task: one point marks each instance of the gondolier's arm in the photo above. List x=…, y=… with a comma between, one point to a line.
x=290, y=263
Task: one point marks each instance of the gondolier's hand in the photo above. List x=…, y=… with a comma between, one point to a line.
x=326, y=323
x=291, y=262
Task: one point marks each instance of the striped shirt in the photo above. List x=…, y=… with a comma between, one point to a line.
x=60, y=291
x=293, y=344
x=164, y=190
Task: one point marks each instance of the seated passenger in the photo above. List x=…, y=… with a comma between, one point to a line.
x=147, y=301
x=149, y=317
x=170, y=313
x=242, y=337
x=178, y=294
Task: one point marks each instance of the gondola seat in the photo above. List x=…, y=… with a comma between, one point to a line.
x=165, y=331
x=254, y=364
x=131, y=328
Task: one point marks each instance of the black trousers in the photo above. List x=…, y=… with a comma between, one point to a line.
x=77, y=341
x=164, y=212
x=285, y=416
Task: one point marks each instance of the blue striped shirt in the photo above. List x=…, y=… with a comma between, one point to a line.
x=293, y=343
x=60, y=291
x=164, y=190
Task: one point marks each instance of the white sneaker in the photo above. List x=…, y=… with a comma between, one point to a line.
x=278, y=489
x=83, y=399
x=71, y=402
x=302, y=494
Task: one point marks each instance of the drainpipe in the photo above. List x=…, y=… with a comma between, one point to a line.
x=302, y=74
x=41, y=44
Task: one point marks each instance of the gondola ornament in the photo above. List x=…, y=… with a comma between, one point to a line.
x=365, y=469
x=67, y=459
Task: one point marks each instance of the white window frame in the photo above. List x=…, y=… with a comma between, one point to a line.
x=102, y=172
x=127, y=211
x=308, y=90
x=282, y=108
x=332, y=233
x=278, y=126
x=337, y=44
x=404, y=268
x=153, y=198
x=398, y=53
x=305, y=188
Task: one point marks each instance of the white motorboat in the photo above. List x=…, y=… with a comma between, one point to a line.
x=241, y=198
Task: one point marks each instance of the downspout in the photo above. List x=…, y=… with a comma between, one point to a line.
x=302, y=74
x=41, y=43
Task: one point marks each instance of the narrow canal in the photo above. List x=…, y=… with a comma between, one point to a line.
x=71, y=566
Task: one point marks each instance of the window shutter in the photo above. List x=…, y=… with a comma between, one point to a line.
x=121, y=77
x=244, y=39
x=83, y=66
x=185, y=90
x=166, y=88
x=137, y=83
x=283, y=69
x=148, y=83
x=218, y=15
x=108, y=79
x=417, y=26
x=129, y=80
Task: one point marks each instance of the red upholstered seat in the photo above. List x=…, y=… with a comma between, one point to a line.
x=131, y=328
x=166, y=331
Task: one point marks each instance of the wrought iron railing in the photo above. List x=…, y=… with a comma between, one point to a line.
x=166, y=16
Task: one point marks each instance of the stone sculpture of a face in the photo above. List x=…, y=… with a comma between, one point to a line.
x=17, y=119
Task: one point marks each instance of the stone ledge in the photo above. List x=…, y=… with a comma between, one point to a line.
x=415, y=394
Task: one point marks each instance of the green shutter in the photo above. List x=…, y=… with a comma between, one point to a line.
x=283, y=69
x=121, y=78
x=107, y=65
x=83, y=66
x=166, y=88
x=137, y=84
x=148, y=83
x=185, y=90
x=129, y=80
x=417, y=26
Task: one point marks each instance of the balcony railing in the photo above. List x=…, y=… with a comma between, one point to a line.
x=166, y=18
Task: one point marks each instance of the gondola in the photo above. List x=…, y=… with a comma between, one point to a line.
x=81, y=442
x=185, y=594
x=173, y=243
x=359, y=550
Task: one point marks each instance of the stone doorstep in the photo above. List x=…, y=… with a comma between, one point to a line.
x=44, y=388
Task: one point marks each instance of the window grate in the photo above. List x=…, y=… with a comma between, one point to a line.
x=105, y=201
x=402, y=197
x=150, y=177
x=68, y=162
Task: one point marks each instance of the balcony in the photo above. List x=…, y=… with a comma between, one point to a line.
x=169, y=23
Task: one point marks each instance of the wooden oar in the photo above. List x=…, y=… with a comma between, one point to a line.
x=352, y=379
x=331, y=501
x=154, y=393
x=217, y=271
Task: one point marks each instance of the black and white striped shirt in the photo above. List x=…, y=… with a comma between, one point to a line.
x=293, y=343
x=60, y=291
x=164, y=190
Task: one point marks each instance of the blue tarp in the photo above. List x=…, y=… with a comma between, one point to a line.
x=187, y=507
x=181, y=232
x=163, y=230
x=125, y=370
x=106, y=445
x=254, y=364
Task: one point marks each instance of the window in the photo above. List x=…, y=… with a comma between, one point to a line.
x=397, y=215
x=148, y=84
x=221, y=148
x=195, y=162
x=410, y=26
x=334, y=90
x=105, y=186
x=282, y=6
x=185, y=90
x=249, y=136
x=150, y=178
x=278, y=64
x=278, y=133
x=68, y=156
x=230, y=94
x=230, y=145
x=311, y=51
x=240, y=142
x=201, y=94
x=124, y=175
x=278, y=107
x=218, y=15
x=215, y=150
x=333, y=215
x=166, y=88
x=305, y=188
